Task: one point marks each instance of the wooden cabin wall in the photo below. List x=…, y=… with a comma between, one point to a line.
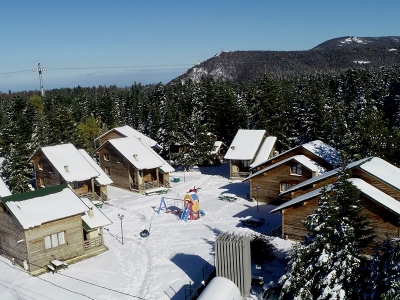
x=109, y=136
x=39, y=257
x=269, y=182
x=309, y=188
x=119, y=172
x=11, y=232
x=382, y=220
x=292, y=225
x=49, y=179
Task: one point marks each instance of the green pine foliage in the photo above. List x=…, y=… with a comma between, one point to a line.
x=328, y=263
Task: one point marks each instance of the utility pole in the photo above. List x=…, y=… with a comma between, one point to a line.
x=40, y=70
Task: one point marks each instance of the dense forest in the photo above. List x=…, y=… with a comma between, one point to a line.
x=355, y=111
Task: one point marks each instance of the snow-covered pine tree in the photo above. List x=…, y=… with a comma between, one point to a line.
x=384, y=269
x=327, y=263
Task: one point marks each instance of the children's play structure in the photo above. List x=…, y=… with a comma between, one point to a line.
x=190, y=208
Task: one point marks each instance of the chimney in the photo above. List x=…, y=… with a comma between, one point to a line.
x=91, y=213
x=135, y=156
x=233, y=147
x=66, y=169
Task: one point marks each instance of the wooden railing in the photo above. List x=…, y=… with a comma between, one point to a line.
x=93, y=243
x=240, y=174
x=91, y=196
x=149, y=185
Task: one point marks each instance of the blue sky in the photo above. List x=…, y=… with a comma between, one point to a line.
x=119, y=42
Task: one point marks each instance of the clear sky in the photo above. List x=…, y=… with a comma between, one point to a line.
x=119, y=42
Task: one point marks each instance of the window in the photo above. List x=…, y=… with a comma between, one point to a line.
x=107, y=170
x=39, y=166
x=54, y=240
x=51, y=170
x=106, y=157
x=295, y=169
x=41, y=182
x=285, y=186
x=245, y=163
x=74, y=185
x=120, y=159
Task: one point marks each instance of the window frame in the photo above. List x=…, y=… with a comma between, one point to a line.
x=107, y=170
x=106, y=157
x=287, y=186
x=296, y=169
x=54, y=240
x=120, y=160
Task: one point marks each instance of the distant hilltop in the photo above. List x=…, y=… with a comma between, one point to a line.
x=331, y=56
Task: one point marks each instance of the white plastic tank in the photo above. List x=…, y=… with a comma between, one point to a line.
x=220, y=288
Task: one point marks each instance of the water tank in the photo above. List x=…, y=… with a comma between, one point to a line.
x=220, y=288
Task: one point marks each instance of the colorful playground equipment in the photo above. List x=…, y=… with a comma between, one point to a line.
x=191, y=206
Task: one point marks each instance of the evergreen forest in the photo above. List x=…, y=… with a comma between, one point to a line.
x=354, y=111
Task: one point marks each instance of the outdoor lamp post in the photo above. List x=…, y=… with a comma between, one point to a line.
x=121, y=217
x=256, y=188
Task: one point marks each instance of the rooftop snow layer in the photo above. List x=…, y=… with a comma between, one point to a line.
x=140, y=154
x=383, y=170
x=99, y=219
x=69, y=162
x=323, y=176
x=301, y=159
x=372, y=192
x=128, y=131
x=317, y=147
x=103, y=178
x=245, y=144
x=265, y=151
x=4, y=191
x=41, y=206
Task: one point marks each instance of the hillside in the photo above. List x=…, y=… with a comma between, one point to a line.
x=331, y=56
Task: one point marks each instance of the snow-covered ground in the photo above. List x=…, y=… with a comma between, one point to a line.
x=159, y=266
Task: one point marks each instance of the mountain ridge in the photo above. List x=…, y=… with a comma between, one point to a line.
x=333, y=55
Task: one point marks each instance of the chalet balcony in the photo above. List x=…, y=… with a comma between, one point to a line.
x=92, y=243
x=141, y=188
x=240, y=175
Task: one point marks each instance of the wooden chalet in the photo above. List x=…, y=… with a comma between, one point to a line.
x=55, y=165
x=379, y=185
x=123, y=132
x=282, y=171
x=132, y=164
x=219, y=151
x=247, y=147
x=50, y=225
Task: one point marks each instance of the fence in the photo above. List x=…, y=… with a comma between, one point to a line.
x=206, y=273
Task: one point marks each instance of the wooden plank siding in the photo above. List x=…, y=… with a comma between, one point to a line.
x=39, y=257
x=382, y=220
x=111, y=135
x=269, y=182
x=293, y=152
x=11, y=232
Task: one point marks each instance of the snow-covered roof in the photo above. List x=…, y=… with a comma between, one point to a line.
x=99, y=219
x=4, y=191
x=45, y=205
x=301, y=159
x=383, y=170
x=69, y=162
x=245, y=144
x=217, y=146
x=128, y=131
x=317, y=147
x=103, y=178
x=369, y=190
x=220, y=288
x=140, y=154
x=265, y=151
x=324, y=176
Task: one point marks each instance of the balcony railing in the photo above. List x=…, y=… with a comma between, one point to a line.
x=240, y=175
x=149, y=185
x=93, y=243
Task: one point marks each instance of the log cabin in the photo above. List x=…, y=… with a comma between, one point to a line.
x=248, y=147
x=132, y=164
x=55, y=165
x=379, y=185
x=50, y=224
x=219, y=151
x=282, y=171
x=126, y=131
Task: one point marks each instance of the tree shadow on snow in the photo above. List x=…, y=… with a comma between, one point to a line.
x=221, y=170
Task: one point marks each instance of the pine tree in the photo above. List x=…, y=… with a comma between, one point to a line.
x=327, y=263
x=384, y=269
